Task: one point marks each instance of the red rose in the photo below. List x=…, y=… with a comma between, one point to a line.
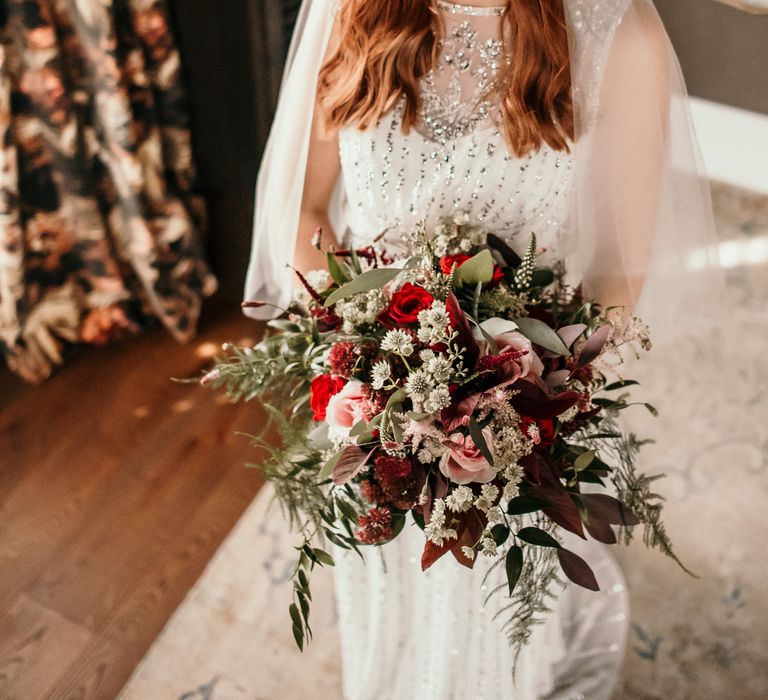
x=448, y=261
x=321, y=390
x=545, y=427
x=404, y=306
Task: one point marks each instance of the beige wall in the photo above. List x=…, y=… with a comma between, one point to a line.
x=723, y=51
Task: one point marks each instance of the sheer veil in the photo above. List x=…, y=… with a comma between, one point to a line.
x=642, y=223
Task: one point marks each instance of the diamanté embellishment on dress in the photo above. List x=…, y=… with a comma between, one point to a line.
x=467, y=64
x=457, y=9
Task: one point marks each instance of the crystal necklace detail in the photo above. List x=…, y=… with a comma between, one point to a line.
x=472, y=10
x=466, y=71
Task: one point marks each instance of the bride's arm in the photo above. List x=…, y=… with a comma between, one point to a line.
x=622, y=186
x=323, y=169
x=322, y=172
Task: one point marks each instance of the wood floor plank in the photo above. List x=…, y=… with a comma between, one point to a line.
x=36, y=637
x=117, y=485
x=134, y=624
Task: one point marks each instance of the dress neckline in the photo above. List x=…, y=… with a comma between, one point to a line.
x=454, y=8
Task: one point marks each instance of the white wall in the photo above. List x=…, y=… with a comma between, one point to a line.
x=734, y=144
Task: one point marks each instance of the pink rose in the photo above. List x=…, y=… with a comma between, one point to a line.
x=345, y=408
x=464, y=463
x=508, y=339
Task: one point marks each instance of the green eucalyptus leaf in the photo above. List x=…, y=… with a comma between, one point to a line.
x=358, y=428
x=520, y=505
x=327, y=468
x=335, y=269
x=324, y=558
x=347, y=509
x=418, y=416
x=620, y=384
x=295, y=616
x=396, y=399
x=398, y=523
x=534, y=535
x=583, y=461
x=514, y=566
x=500, y=534
x=478, y=269
x=372, y=279
x=476, y=433
x=336, y=539
x=304, y=604
x=542, y=335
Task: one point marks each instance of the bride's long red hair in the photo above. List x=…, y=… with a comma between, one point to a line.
x=385, y=46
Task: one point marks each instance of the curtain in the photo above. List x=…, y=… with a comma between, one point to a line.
x=100, y=219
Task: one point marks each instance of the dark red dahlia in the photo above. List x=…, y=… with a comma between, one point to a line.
x=375, y=526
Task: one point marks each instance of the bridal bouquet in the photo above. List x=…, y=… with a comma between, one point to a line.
x=461, y=387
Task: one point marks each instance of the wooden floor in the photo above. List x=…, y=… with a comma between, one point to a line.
x=117, y=485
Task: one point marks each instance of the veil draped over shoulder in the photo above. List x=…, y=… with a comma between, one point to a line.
x=642, y=225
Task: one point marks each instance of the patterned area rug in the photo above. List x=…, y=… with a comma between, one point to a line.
x=703, y=638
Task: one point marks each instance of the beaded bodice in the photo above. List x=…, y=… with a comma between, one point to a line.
x=456, y=160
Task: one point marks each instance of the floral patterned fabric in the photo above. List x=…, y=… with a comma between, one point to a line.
x=99, y=220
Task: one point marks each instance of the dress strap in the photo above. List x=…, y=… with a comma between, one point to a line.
x=473, y=10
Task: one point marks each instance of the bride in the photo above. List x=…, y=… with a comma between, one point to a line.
x=566, y=118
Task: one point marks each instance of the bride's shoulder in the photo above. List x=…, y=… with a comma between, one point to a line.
x=596, y=17
x=629, y=25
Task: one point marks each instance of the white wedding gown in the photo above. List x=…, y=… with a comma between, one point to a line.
x=407, y=634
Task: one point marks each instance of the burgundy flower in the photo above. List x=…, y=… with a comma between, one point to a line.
x=375, y=526
x=388, y=467
x=405, y=305
x=543, y=432
x=342, y=358
x=399, y=484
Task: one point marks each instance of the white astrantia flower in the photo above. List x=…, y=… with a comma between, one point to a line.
x=513, y=475
x=436, y=532
x=360, y=309
x=398, y=341
x=468, y=552
x=417, y=387
x=437, y=315
x=488, y=494
x=433, y=449
x=460, y=499
x=495, y=515
x=380, y=373
x=438, y=399
x=489, y=547
x=433, y=323
x=439, y=367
